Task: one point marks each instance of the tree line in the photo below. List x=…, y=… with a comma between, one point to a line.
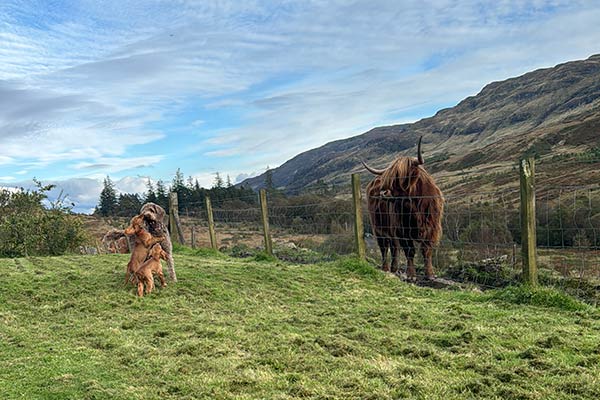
x=189, y=192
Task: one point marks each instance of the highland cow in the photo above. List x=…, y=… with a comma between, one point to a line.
x=407, y=209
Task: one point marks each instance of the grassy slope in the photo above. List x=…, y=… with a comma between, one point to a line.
x=242, y=329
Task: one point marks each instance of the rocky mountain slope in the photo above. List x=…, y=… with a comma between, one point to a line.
x=553, y=113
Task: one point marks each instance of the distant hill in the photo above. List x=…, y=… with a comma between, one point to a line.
x=553, y=113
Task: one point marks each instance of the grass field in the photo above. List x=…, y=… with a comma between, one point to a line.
x=244, y=329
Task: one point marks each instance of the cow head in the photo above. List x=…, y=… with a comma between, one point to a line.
x=401, y=177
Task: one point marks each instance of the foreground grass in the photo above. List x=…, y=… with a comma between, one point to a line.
x=234, y=329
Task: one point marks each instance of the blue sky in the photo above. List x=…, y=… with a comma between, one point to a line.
x=137, y=89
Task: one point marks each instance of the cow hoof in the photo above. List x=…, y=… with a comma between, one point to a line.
x=401, y=275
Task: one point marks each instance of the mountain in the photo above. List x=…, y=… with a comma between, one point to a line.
x=553, y=113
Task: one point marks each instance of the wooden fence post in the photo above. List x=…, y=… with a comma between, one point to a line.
x=265, y=222
x=193, y=239
x=211, y=224
x=528, y=237
x=359, y=229
x=174, y=222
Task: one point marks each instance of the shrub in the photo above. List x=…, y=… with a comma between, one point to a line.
x=242, y=250
x=28, y=228
x=543, y=297
x=496, y=272
x=292, y=253
x=359, y=267
x=338, y=244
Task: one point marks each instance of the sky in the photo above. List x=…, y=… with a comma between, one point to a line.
x=136, y=89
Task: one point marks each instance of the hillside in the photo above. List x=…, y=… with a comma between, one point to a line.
x=233, y=329
x=547, y=112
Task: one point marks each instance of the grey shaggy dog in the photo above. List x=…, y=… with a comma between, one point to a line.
x=154, y=216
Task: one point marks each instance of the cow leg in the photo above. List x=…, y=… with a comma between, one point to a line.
x=395, y=250
x=427, y=255
x=409, y=251
x=382, y=242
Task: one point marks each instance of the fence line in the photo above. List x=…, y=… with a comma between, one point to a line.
x=482, y=232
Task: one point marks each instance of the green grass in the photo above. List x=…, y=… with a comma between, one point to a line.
x=243, y=329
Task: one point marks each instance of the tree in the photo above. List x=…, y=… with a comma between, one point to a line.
x=178, y=182
x=218, y=183
x=108, y=199
x=162, y=198
x=150, y=196
x=129, y=205
x=229, y=184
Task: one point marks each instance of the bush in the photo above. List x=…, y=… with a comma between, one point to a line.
x=543, y=297
x=359, y=267
x=28, y=228
x=496, y=272
x=294, y=254
x=241, y=250
x=338, y=244
x=262, y=256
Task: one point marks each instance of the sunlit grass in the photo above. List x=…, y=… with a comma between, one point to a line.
x=248, y=329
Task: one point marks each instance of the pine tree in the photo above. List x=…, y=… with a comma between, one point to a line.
x=150, y=196
x=229, y=184
x=129, y=205
x=162, y=199
x=107, y=205
x=218, y=183
x=178, y=181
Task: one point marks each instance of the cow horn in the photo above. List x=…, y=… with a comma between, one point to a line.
x=419, y=155
x=373, y=170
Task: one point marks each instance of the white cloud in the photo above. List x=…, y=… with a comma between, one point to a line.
x=110, y=165
x=83, y=89
x=243, y=176
x=6, y=160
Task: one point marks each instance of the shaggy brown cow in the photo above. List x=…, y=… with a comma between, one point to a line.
x=154, y=216
x=384, y=223
x=414, y=206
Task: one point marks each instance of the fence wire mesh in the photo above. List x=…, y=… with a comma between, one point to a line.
x=480, y=243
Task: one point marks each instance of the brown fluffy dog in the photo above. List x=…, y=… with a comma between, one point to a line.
x=145, y=273
x=155, y=216
x=143, y=240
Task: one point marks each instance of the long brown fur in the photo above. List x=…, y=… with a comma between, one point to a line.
x=142, y=243
x=415, y=209
x=406, y=179
x=145, y=273
x=154, y=217
x=383, y=222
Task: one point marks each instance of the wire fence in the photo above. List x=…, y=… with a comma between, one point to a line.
x=480, y=243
